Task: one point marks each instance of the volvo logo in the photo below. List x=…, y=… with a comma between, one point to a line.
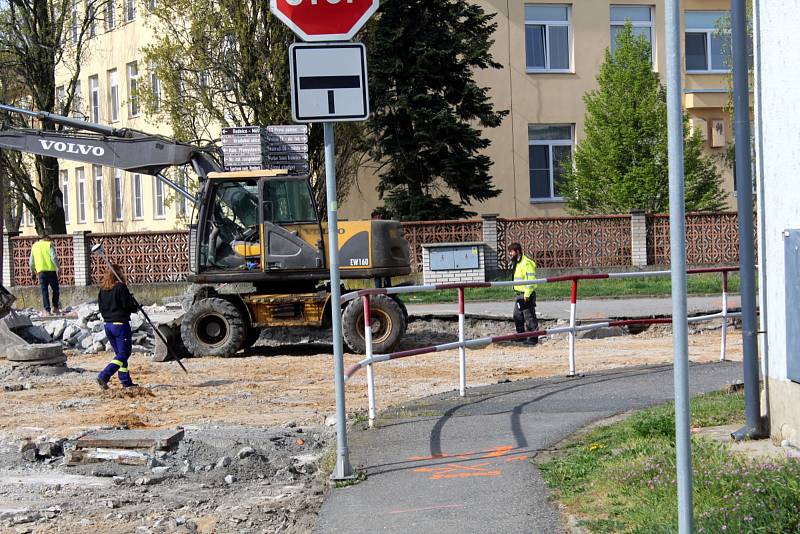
x=72, y=148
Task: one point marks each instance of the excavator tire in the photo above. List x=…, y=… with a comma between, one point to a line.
x=252, y=337
x=388, y=324
x=213, y=327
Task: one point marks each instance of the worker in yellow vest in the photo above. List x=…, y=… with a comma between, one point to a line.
x=44, y=266
x=525, y=300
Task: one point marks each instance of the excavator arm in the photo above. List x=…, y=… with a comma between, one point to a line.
x=121, y=148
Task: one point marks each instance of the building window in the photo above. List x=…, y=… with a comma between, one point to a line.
x=130, y=10
x=74, y=21
x=705, y=47
x=98, y=193
x=549, y=150
x=61, y=99
x=640, y=17
x=77, y=101
x=138, y=207
x=94, y=97
x=118, y=205
x=80, y=179
x=158, y=199
x=155, y=87
x=547, y=38
x=64, y=179
x=181, y=202
x=113, y=95
x=91, y=11
x=133, y=90
x=111, y=20
x=29, y=217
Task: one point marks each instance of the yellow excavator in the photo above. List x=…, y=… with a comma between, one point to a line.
x=257, y=245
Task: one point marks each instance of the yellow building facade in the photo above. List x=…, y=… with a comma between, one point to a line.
x=550, y=53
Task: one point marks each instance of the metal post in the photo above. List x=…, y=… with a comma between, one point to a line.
x=680, y=335
x=462, y=357
x=368, y=345
x=724, y=342
x=343, y=468
x=572, y=314
x=744, y=205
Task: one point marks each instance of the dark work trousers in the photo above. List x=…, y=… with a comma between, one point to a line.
x=121, y=339
x=525, y=316
x=49, y=279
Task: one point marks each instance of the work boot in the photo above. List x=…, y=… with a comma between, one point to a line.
x=103, y=383
x=131, y=385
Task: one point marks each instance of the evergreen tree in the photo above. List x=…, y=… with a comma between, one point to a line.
x=621, y=164
x=428, y=110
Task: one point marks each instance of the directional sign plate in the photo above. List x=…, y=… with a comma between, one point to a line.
x=329, y=82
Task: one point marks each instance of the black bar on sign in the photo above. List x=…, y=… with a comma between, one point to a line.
x=331, y=103
x=330, y=82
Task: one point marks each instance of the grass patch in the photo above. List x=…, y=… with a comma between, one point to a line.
x=621, y=477
x=698, y=284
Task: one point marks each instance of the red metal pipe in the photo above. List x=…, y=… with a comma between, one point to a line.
x=367, y=323
x=725, y=281
x=575, y=291
x=461, y=301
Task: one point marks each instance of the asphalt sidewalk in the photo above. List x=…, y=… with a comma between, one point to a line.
x=446, y=464
x=593, y=309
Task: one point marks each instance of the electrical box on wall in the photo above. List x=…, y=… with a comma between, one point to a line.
x=791, y=241
x=717, y=133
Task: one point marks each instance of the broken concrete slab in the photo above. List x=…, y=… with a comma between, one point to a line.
x=39, y=352
x=162, y=439
x=93, y=456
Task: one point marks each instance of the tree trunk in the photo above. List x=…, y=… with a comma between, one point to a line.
x=52, y=200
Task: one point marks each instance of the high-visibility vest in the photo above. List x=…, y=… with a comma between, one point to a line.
x=41, y=257
x=525, y=270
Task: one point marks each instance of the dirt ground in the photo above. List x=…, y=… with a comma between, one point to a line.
x=279, y=383
x=275, y=400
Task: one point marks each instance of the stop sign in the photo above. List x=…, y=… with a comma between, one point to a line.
x=324, y=20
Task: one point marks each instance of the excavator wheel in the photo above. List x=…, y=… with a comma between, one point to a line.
x=213, y=327
x=388, y=324
x=252, y=337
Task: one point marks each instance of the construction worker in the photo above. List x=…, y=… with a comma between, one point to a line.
x=116, y=305
x=525, y=301
x=44, y=266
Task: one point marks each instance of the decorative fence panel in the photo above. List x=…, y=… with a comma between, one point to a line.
x=568, y=242
x=419, y=233
x=711, y=239
x=21, y=259
x=146, y=257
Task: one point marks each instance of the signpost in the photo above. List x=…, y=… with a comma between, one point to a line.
x=329, y=84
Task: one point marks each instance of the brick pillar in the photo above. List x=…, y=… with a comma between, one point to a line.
x=8, y=258
x=490, y=238
x=81, y=256
x=638, y=238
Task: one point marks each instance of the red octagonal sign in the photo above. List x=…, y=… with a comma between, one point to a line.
x=324, y=20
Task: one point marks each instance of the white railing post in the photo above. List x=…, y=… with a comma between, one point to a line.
x=572, y=321
x=724, y=340
x=368, y=346
x=462, y=357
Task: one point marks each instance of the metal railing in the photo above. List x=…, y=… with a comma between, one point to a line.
x=462, y=344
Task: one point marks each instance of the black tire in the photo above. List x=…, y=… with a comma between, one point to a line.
x=213, y=327
x=252, y=337
x=388, y=321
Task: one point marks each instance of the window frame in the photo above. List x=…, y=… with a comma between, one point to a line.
x=547, y=24
x=111, y=20
x=155, y=89
x=137, y=198
x=119, y=197
x=134, y=105
x=550, y=143
x=80, y=197
x=159, y=199
x=94, y=99
x=113, y=95
x=709, y=33
x=64, y=184
x=97, y=191
x=129, y=10
x=637, y=24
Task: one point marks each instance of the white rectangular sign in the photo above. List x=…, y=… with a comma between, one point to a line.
x=329, y=82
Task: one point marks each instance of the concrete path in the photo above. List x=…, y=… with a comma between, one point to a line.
x=452, y=465
x=627, y=308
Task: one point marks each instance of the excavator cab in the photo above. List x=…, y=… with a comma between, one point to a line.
x=258, y=221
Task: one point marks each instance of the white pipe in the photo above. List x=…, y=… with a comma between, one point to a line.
x=724, y=340
x=462, y=358
x=572, y=313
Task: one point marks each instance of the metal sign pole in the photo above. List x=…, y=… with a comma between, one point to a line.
x=343, y=469
x=680, y=334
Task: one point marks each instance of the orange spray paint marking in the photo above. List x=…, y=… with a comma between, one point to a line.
x=516, y=458
x=459, y=471
x=495, y=452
